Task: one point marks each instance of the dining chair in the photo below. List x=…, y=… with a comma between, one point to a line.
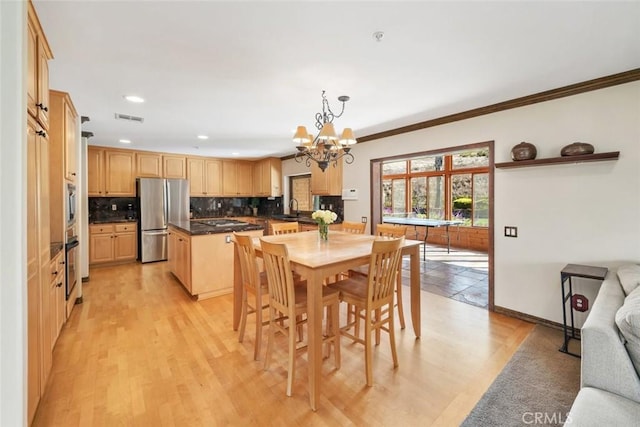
x=372, y=296
x=285, y=227
x=395, y=231
x=254, y=284
x=289, y=302
x=353, y=227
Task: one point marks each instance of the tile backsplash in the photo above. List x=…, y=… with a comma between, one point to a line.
x=101, y=208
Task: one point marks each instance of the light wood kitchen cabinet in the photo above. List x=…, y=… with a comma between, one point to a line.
x=112, y=243
x=95, y=172
x=267, y=177
x=174, y=167
x=327, y=183
x=203, y=263
x=62, y=143
x=38, y=263
x=119, y=173
x=236, y=178
x=148, y=165
x=179, y=256
x=38, y=54
x=111, y=173
x=38, y=249
x=57, y=295
x=205, y=176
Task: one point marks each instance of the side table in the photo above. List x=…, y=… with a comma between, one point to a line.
x=568, y=272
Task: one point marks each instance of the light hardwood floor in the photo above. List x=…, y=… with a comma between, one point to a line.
x=140, y=352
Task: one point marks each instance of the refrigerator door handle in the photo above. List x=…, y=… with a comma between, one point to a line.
x=166, y=202
x=155, y=233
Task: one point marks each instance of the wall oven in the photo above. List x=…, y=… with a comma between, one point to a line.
x=71, y=261
x=71, y=204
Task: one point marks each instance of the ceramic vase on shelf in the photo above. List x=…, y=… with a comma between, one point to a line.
x=523, y=151
x=323, y=230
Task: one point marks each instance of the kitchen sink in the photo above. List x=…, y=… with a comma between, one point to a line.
x=222, y=222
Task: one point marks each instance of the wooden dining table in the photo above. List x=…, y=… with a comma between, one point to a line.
x=315, y=260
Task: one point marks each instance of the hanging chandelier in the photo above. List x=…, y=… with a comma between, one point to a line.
x=326, y=147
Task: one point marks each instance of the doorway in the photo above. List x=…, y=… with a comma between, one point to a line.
x=453, y=183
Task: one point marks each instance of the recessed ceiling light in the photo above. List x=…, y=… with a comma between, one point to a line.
x=203, y=137
x=235, y=154
x=125, y=141
x=134, y=98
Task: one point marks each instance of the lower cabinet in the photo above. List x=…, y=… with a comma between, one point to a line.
x=112, y=242
x=203, y=263
x=57, y=295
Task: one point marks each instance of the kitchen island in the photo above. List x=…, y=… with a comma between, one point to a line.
x=201, y=254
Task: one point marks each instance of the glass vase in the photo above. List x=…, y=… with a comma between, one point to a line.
x=323, y=231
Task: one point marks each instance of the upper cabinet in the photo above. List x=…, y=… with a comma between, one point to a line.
x=237, y=176
x=38, y=54
x=205, y=177
x=174, y=166
x=267, y=177
x=62, y=151
x=149, y=165
x=111, y=173
x=327, y=183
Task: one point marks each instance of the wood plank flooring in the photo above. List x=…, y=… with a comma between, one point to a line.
x=140, y=352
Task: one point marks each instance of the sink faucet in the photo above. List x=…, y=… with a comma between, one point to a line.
x=291, y=205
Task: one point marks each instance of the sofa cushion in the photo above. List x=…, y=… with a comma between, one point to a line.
x=628, y=321
x=629, y=276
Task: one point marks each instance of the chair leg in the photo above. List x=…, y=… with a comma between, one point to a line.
x=292, y=356
x=368, y=351
x=258, y=342
x=335, y=331
x=399, y=300
x=272, y=333
x=243, y=315
x=392, y=338
x=377, y=318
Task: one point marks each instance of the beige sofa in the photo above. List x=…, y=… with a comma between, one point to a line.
x=610, y=365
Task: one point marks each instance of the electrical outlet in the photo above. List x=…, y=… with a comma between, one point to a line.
x=114, y=207
x=227, y=239
x=364, y=219
x=219, y=205
x=510, y=231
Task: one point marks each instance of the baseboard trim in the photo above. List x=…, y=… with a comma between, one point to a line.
x=527, y=317
x=85, y=279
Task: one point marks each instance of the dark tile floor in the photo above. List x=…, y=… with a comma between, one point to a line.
x=461, y=275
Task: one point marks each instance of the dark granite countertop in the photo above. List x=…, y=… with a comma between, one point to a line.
x=197, y=227
x=110, y=220
x=301, y=219
x=55, y=248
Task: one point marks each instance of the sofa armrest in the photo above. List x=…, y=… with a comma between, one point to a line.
x=605, y=362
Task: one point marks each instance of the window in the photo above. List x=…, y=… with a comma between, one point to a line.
x=443, y=186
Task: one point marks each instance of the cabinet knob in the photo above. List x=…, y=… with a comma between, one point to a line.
x=54, y=273
x=59, y=285
x=41, y=133
x=73, y=174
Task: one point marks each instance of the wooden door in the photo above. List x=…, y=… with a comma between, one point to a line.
x=95, y=172
x=213, y=180
x=229, y=177
x=196, y=176
x=119, y=173
x=32, y=68
x=43, y=85
x=244, y=176
x=149, y=165
x=101, y=247
x=174, y=167
x=70, y=147
x=124, y=246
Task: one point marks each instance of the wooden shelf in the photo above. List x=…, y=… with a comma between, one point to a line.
x=597, y=157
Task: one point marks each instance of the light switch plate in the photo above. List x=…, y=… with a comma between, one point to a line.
x=510, y=231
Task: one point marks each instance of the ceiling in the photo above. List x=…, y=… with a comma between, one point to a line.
x=245, y=73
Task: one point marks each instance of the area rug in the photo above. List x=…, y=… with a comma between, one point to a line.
x=536, y=387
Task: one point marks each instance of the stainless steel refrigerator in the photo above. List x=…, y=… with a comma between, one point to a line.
x=160, y=202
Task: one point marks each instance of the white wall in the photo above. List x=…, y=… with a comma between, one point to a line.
x=570, y=213
x=13, y=307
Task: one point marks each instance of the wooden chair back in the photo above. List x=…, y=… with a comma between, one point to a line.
x=285, y=227
x=391, y=230
x=248, y=261
x=383, y=270
x=279, y=278
x=353, y=227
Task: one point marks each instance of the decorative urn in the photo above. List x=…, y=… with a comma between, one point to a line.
x=577, y=149
x=524, y=151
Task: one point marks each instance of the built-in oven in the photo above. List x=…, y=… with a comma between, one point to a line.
x=71, y=205
x=71, y=261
